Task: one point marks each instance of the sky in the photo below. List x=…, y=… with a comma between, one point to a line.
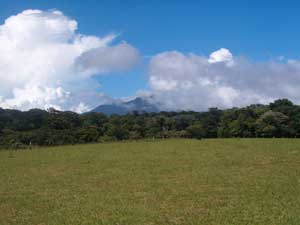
x=75, y=55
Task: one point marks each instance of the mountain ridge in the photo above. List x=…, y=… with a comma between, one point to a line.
x=138, y=104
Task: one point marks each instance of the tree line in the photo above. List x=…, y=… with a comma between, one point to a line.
x=47, y=128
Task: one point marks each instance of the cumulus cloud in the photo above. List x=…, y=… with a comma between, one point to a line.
x=221, y=55
x=191, y=82
x=45, y=62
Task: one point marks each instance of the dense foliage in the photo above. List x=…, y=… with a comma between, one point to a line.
x=38, y=127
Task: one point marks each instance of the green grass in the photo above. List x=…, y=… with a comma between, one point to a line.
x=246, y=181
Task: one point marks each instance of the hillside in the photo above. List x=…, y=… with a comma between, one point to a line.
x=38, y=127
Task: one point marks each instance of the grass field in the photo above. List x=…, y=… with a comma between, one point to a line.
x=246, y=181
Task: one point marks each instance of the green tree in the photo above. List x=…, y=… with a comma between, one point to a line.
x=272, y=124
x=196, y=131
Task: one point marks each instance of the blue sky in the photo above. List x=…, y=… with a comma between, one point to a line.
x=258, y=30
x=255, y=28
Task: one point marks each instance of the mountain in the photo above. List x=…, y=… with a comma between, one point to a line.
x=138, y=104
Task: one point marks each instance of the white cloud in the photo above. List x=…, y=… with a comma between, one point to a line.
x=192, y=82
x=221, y=55
x=37, y=96
x=45, y=62
x=107, y=59
x=82, y=107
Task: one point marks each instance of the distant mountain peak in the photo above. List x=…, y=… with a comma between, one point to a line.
x=138, y=104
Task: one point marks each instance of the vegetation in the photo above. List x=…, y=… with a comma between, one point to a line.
x=38, y=127
x=213, y=181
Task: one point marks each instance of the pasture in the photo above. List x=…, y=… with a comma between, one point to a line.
x=179, y=181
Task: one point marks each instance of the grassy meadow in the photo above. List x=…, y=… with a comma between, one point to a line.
x=216, y=181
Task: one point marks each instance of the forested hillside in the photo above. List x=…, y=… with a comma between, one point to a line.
x=38, y=127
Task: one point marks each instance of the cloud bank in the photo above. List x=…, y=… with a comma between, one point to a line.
x=45, y=62
x=191, y=82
